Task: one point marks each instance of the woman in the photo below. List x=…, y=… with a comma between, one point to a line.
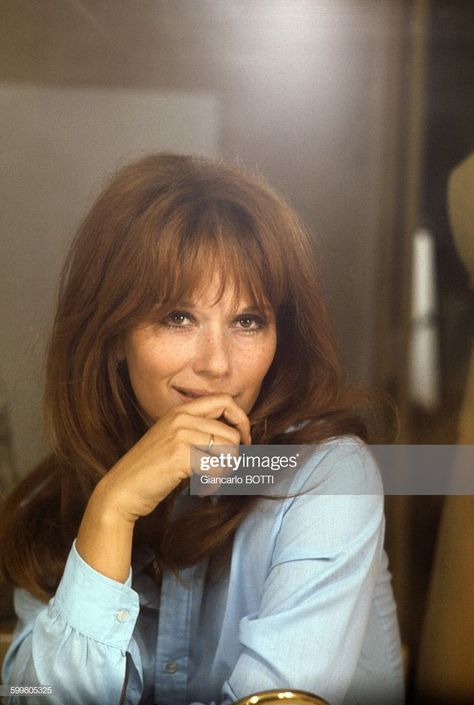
x=189, y=315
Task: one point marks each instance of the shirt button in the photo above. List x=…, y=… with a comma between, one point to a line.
x=122, y=615
x=171, y=667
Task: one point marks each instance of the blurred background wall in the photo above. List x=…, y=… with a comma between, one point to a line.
x=300, y=91
x=355, y=110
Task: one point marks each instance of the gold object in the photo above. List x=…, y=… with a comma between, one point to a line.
x=211, y=442
x=281, y=697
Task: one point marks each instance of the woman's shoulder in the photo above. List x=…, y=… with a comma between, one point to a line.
x=334, y=507
x=339, y=465
x=338, y=476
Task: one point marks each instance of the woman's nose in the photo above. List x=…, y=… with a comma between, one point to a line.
x=212, y=354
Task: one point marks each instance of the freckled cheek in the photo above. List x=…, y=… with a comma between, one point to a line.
x=165, y=360
x=151, y=367
x=257, y=361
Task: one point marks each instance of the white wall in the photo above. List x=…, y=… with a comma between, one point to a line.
x=57, y=147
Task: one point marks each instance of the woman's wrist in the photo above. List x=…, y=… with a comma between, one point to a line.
x=109, y=508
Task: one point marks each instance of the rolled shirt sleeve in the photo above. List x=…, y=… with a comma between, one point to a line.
x=77, y=643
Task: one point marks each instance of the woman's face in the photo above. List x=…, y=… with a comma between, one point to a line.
x=201, y=347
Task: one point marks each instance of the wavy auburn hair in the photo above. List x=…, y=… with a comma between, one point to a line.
x=158, y=231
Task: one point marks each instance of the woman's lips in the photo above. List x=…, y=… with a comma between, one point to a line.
x=189, y=394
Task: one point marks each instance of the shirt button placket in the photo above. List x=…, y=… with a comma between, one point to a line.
x=173, y=638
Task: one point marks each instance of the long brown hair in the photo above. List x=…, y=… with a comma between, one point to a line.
x=159, y=227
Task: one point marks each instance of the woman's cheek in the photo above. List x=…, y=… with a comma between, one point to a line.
x=260, y=358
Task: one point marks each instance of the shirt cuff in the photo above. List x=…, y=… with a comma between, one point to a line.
x=96, y=606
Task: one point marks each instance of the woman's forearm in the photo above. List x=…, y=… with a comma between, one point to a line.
x=105, y=538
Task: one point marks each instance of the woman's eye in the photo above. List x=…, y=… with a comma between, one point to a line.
x=250, y=322
x=177, y=319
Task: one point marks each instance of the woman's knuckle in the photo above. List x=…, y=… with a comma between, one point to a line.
x=178, y=419
x=180, y=437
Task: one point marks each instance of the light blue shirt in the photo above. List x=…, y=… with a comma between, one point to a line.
x=305, y=603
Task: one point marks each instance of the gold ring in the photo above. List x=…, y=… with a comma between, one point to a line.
x=211, y=443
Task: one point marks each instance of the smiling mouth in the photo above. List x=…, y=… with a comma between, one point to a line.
x=193, y=394
x=189, y=394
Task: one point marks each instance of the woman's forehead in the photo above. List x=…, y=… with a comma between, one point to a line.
x=216, y=287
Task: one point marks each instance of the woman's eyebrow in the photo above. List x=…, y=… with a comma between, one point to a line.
x=253, y=308
x=246, y=306
x=184, y=304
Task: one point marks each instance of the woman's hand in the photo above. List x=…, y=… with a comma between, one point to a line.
x=148, y=472
x=160, y=460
